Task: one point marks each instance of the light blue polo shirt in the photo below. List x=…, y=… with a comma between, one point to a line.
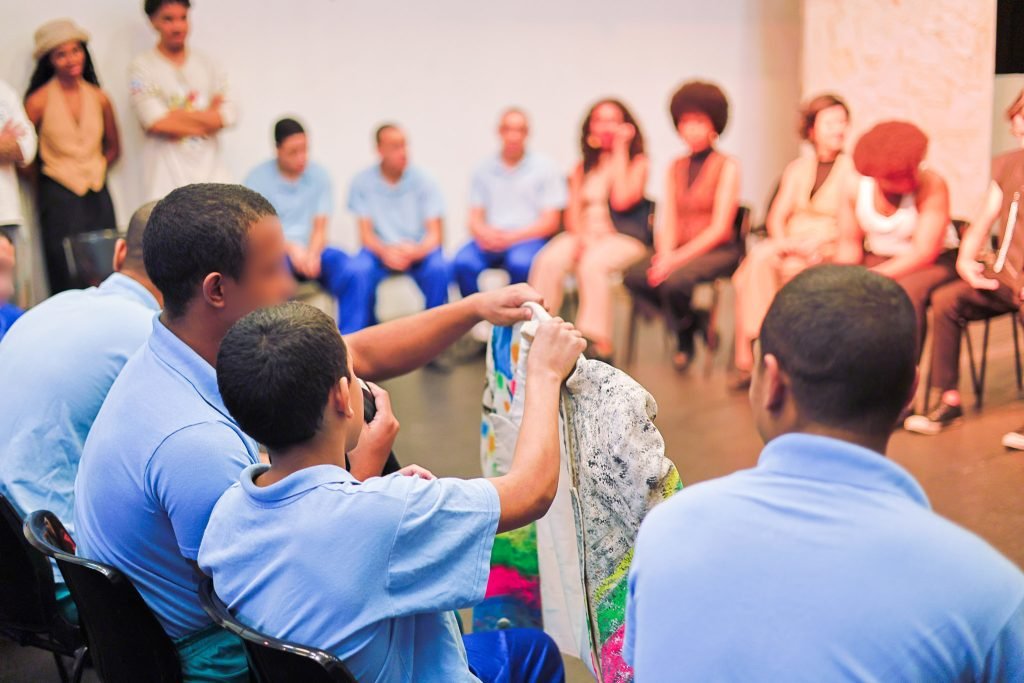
x=161, y=452
x=368, y=571
x=515, y=197
x=399, y=212
x=297, y=202
x=824, y=562
x=57, y=365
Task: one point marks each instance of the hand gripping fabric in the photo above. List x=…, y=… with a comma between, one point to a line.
x=613, y=471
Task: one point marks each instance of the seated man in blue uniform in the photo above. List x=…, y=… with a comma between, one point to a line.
x=824, y=562
x=370, y=570
x=399, y=210
x=300, y=192
x=163, y=447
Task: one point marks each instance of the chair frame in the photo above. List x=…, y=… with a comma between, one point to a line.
x=63, y=639
x=254, y=640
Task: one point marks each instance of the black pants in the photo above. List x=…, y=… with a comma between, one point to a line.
x=675, y=293
x=62, y=213
x=952, y=303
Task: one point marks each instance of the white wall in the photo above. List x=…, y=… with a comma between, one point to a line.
x=445, y=68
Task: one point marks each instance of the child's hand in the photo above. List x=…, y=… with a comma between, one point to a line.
x=504, y=306
x=368, y=457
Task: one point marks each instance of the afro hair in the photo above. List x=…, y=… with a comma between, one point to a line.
x=703, y=98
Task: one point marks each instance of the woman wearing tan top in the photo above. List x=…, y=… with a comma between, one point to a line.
x=694, y=241
x=802, y=223
x=610, y=179
x=78, y=140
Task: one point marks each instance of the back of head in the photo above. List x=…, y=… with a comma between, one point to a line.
x=275, y=371
x=846, y=337
x=197, y=230
x=890, y=148
x=134, y=259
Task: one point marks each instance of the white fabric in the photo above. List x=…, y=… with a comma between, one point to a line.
x=891, y=235
x=158, y=86
x=10, y=199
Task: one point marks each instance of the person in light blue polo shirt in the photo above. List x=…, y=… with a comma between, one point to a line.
x=163, y=447
x=300, y=192
x=399, y=209
x=63, y=356
x=515, y=199
x=370, y=570
x=824, y=562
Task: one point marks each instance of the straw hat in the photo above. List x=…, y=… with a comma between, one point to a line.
x=57, y=32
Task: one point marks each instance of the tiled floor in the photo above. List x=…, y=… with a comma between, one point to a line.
x=969, y=477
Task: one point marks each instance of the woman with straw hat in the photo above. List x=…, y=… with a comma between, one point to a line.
x=78, y=141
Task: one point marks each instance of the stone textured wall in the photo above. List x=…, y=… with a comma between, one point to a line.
x=931, y=62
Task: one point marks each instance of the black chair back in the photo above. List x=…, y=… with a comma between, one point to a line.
x=637, y=221
x=271, y=659
x=28, y=605
x=741, y=227
x=90, y=256
x=126, y=642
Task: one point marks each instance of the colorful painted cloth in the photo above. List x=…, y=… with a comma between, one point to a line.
x=614, y=471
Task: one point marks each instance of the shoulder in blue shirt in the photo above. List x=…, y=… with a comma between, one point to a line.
x=58, y=364
x=161, y=452
x=399, y=212
x=824, y=562
x=369, y=571
x=297, y=202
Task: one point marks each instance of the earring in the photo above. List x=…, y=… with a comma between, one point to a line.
x=593, y=142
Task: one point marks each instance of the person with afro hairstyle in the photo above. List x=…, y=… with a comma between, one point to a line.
x=606, y=187
x=694, y=240
x=894, y=217
x=802, y=223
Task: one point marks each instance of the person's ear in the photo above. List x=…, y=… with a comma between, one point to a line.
x=342, y=392
x=776, y=384
x=120, y=254
x=213, y=290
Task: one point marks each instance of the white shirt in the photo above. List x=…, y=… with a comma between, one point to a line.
x=158, y=86
x=11, y=110
x=891, y=235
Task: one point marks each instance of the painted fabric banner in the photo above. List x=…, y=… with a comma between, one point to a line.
x=572, y=567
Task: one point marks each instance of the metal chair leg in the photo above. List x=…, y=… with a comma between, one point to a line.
x=1014, y=322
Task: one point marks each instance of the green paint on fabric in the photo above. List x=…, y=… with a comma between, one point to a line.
x=517, y=548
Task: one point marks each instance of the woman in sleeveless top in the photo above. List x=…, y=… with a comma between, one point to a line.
x=610, y=178
x=694, y=241
x=78, y=140
x=802, y=224
x=894, y=216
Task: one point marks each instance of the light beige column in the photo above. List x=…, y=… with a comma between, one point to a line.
x=930, y=62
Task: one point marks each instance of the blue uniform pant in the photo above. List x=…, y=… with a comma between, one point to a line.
x=472, y=260
x=515, y=655
x=365, y=273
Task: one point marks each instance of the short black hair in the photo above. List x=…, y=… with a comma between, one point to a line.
x=4, y=234
x=285, y=128
x=702, y=98
x=151, y=7
x=383, y=128
x=197, y=230
x=846, y=337
x=275, y=370
x=133, y=237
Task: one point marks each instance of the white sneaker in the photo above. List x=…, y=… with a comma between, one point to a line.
x=1014, y=440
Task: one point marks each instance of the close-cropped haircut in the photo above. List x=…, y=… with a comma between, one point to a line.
x=275, y=370
x=383, y=128
x=890, y=148
x=285, y=128
x=702, y=98
x=197, y=230
x=134, y=235
x=809, y=112
x=846, y=337
x=151, y=7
